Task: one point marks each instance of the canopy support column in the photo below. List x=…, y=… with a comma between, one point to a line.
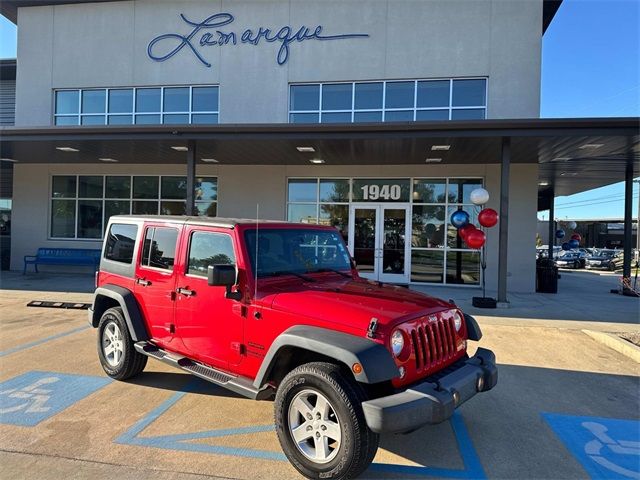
x=628, y=219
x=552, y=223
x=191, y=178
x=504, y=220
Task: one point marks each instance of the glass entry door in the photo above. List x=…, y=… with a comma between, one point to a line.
x=379, y=239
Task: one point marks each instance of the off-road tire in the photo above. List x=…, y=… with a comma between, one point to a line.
x=358, y=444
x=131, y=363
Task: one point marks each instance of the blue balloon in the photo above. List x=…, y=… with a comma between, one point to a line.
x=566, y=246
x=560, y=233
x=574, y=243
x=459, y=219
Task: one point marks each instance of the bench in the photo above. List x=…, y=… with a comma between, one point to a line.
x=63, y=256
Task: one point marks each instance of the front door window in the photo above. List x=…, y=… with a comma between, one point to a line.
x=378, y=241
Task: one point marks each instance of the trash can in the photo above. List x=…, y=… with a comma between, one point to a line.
x=546, y=277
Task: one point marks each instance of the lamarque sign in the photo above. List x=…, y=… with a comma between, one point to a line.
x=207, y=33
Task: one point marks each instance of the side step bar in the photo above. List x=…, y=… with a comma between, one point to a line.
x=240, y=385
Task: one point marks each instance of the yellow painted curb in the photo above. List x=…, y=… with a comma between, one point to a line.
x=616, y=343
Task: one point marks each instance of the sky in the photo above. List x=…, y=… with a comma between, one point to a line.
x=590, y=68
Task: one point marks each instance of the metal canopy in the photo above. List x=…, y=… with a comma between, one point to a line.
x=574, y=155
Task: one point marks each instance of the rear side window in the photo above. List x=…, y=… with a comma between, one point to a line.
x=208, y=248
x=120, y=242
x=159, y=248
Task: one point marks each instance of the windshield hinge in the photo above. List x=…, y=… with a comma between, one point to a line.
x=373, y=326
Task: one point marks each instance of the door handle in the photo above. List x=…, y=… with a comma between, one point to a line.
x=143, y=282
x=186, y=292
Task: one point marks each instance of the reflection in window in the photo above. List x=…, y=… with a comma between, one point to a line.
x=389, y=101
x=160, y=248
x=142, y=106
x=463, y=267
x=120, y=243
x=427, y=266
x=81, y=205
x=209, y=249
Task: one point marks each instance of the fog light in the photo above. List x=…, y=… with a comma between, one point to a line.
x=456, y=398
x=402, y=372
x=480, y=384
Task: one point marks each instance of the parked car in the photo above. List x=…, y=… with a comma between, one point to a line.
x=589, y=252
x=571, y=259
x=278, y=310
x=606, y=260
x=543, y=251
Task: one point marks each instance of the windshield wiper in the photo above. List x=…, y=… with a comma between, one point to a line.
x=322, y=270
x=279, y=273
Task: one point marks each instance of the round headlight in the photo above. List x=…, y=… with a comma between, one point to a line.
x=397, y=343
x=457, y=320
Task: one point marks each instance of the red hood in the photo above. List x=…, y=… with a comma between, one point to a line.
x=350, y=302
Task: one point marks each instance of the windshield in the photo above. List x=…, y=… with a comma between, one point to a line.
x=296, y=251
x=607, y=254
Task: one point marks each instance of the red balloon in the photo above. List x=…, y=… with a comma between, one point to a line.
x=464, y=231
x=576, y=236
x=476, y=239
x=488, y=217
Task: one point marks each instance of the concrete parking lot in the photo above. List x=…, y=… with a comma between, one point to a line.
x=565, y=407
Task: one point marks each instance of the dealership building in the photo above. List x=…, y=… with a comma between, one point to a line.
x=378, y=117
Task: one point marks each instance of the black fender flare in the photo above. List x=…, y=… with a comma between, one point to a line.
x=377, y=363
x=130, y=309
x=473, y=329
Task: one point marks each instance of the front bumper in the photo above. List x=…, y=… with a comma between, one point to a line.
x=429, y=403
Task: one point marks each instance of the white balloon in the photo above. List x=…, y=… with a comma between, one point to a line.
x=479, y=196
x=572, y=225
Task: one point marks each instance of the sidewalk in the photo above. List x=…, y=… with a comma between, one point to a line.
x=583, y=299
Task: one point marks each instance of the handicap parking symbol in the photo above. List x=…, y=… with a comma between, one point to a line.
x=30, y=398
x=606, y=447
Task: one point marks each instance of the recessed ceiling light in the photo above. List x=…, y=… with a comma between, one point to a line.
x=433, y=160
x=561, y=159
x=9, y=160
x=436, y=148
x=592, y=145
x=317, y=161
x=543, y=184
x=306, y=149
x=209, y=160
x=67, y=149
x=179, y=148
x=568, y=174
x=108, y=160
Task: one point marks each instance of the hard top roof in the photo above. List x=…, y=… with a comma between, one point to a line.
x=220, y=222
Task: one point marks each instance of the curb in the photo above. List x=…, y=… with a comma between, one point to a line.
x=616, y=343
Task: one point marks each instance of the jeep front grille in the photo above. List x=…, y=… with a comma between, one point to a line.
x=433, y=342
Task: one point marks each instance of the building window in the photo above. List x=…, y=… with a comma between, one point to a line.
x=320, y=200
x=179, y=105
x=389, y=101
x=438, y=254
x=81, y=205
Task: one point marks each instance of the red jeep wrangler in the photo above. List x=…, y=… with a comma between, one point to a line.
x=274, y=308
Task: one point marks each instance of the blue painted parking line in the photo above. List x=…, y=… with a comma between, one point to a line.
x=35, y=396
x=605, y=447
x=472, y=466
x=42, y=340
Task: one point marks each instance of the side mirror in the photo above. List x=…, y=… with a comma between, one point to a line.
x=221, y=275
x=224, y=276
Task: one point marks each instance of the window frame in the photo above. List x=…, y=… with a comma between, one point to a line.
x=143, y=238
x=445, y=249
x=188, y=251
x=133, y=113
x=383, y=110
x=105, y=221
